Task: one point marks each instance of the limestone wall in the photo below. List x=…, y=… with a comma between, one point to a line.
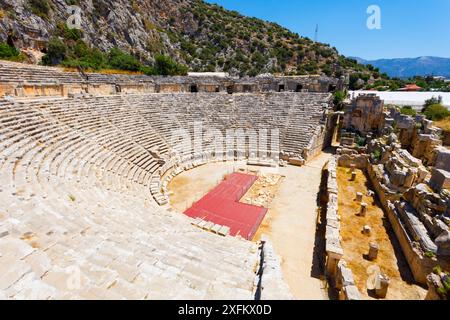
x=359, y=161
x=317, y=143
x=364, y=115
x=337, y=272
x=7, y=89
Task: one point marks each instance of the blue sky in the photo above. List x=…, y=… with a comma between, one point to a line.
x=409, y=28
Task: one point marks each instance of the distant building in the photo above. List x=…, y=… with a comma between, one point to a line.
x=411, y=87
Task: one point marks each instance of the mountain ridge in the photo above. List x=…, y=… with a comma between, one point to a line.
x=410, y=67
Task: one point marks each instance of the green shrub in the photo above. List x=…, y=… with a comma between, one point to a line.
x=376, y=155
x=437, y=270
x=436, y=112
x=6, y=51
x=360, y=141
x=339, y=97
x=123, y=61
x=71, y=34
x=10, y=53
x=56, y=52
x=164, y=65
x=407, y=110
x=432, y=101
x=41, y=8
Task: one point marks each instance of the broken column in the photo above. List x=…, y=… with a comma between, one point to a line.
x=359, y=196
x=366, y=230
x=363, y=210
x=381, y=285
x=353, y=176
x=373, y=251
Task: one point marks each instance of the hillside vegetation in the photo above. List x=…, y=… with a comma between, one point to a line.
x=177, y=34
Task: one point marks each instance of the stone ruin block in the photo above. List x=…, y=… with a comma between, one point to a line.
x=367, y=230
x=363, y=210
x=414, y=227
x=440, y=180
x=443, y=244
x=347, y=142
x=359, y=196
x=352, y=293
x=398, y=178
x=373, y=251
x=344, y=276
x=381, y=285
x=345, y=283
x=443, y=159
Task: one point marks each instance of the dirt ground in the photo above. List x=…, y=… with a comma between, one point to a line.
x=263, y=191
x=290, y=222
x=192, y=185
x=291, y=226
x=356, y=244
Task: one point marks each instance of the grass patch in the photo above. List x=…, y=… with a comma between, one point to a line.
x=437, y=112
x=443, y=124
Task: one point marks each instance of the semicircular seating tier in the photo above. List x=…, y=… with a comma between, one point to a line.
x=77, y=219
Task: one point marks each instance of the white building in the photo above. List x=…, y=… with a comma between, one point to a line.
x=413, y=99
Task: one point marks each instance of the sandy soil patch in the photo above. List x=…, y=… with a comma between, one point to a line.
x=291, y=225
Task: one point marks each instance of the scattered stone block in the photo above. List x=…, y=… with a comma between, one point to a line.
x=381, y=285
x=440, y=180
x=363, y=210
x=367, y=230
x=443, y=159
x=359, y=196
x=352, y=293
x=373, y=251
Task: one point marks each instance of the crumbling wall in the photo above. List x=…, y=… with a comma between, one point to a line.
x=364, y=114
x=419, y=264
x=339, y=275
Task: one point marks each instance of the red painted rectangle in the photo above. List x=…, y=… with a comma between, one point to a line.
x=221, y=206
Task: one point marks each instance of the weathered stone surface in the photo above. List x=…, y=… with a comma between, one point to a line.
x=443, y=244
x=352, y=293
x=440, y=180
x=373, y=251
x=365, y=114
x=381, y=285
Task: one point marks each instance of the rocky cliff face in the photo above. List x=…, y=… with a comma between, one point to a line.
x=205, y=37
